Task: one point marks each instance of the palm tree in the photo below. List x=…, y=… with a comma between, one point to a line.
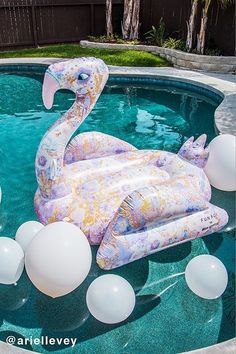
x=191, y=24
x=201, y=37
x=130, y=23
x=109, y=28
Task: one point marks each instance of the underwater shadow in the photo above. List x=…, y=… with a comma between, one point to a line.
x=68, y=316
x=13, y=297
x=213, y=242
x=227, y=327
x=226, y=200
x=25, y=306
x=15, y=302
x=173, y=254
x=92, y=328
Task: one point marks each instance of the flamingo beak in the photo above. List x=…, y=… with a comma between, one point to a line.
x=50, y=86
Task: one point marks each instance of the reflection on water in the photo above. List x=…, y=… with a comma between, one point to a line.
x=166, y=309
x=13, y=297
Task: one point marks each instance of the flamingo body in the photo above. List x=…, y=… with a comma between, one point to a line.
x=131, y=202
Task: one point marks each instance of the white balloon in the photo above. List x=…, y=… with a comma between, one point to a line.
x=11, y=261
x=221, y=165
x=110, y=298
x=206, y=276
x=26, y=233
x=58, y=259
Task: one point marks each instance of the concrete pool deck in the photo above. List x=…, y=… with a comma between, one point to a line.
x=225, y=119
x=223, y=84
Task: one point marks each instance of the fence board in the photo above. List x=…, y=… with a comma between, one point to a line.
x=63, y=23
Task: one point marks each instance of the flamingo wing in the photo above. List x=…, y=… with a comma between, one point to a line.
x=91, y=145
x=153, y=218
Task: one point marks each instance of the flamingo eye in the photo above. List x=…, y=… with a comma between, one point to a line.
x=83, y=76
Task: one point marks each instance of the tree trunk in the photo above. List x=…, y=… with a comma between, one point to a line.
x=201, y=38
x=130, y=23
x=134, y=31
x=109, y=18
x=191, y=26
x=127, y=16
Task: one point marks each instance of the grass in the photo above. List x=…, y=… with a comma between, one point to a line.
x=110, y=57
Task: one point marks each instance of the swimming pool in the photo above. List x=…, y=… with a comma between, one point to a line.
x=168, y=317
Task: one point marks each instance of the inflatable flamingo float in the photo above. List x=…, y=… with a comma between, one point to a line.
x=131, y=202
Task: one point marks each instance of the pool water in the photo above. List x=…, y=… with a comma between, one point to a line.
x=168, y=317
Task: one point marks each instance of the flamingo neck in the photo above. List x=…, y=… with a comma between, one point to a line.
x=50, y=169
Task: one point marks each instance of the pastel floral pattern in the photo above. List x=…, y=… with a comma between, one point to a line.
x=131, y=202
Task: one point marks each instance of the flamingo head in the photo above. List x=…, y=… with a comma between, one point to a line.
x=83, y=76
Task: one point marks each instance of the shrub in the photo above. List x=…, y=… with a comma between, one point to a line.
x=215, y=51
x=156, y=36
x=101, y=39
x=115, y=38
x=174, y=43
x=127, y=41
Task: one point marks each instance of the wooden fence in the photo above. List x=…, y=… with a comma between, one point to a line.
x=35, y=22
x=38, y=22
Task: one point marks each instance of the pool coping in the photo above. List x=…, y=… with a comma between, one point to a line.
x=222, y=84
x=225, y=121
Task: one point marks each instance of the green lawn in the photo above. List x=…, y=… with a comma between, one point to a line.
x=111, y=57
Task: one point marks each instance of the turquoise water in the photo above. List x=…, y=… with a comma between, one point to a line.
x=168, y=317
